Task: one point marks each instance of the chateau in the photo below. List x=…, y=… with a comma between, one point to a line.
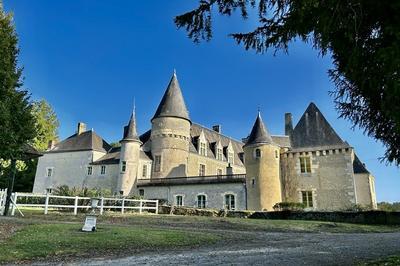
x=186, y=164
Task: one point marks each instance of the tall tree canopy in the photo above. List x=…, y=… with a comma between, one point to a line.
x=362, y=36
x=17, y=126
x=46, y=124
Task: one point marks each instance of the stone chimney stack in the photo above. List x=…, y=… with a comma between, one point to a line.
x=51, y=144
x=81, y=128
x=217, y=128
x=288, y=124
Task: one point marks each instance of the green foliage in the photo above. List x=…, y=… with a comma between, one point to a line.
x=358, y=208
x=362, y=37
x=390, y=207
x=46, y=123
x=289, y=206
x=17, y=126
x=115, y=144
x=64, y=190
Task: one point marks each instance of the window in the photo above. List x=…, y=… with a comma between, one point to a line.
x=202, y=170
x=201, y=201
x=257, y=153
x=203, y=149
x=230, y=157
x=307, y=198
x=144, y=171
x=49, y=190
x=141, y=192
x=89, y=170
x=179, y=200
x=219, y=154
x=305, y=164
x=230, y=202
x=276, y=154
x=157, y=163
x=103, y=170
x=219, y=171
x=253, y=182
x=123, y=166
x=49, y=172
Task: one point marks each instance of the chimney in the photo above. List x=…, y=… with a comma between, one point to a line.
x=81, y=128
x=217, y=128
x=288, y=124
x=51, y=144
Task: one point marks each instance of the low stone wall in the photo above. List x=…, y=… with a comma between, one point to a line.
x=367, y=217
x=185, y=211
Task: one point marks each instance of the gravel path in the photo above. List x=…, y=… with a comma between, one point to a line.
x=274, y=249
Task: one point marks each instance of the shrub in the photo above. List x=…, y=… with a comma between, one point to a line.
x=289, y=206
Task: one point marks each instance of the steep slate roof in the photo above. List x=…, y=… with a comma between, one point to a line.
x=112, y=157
x=213, y=137
x=130, y=132
x=172, y=103
x=358, y=166
x=259, y=134
x=86, y=141
x=313, y=130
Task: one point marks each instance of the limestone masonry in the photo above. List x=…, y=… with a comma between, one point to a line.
x=184, y=164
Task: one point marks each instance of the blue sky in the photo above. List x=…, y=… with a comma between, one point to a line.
x=90, y=59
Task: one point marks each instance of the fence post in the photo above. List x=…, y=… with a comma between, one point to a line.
x=14, y=202
x=141, y=206
x=101, y=205
x=76, y=205
x=157, y=207
x=123, y=205
x=46, y=204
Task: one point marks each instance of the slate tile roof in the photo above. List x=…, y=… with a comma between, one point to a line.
x=259, y=134
x=86, y=141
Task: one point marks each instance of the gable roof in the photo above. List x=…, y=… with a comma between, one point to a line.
x=86, y=141
x=172, y=103
x=313, y=130
x=259, y=134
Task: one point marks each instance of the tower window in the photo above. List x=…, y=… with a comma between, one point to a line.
x=89, y=170
x=230, y=202
x=144, y=171
x=257, y=153
x=307, y=198
x=123, y=167
x=201, y=201
x=103, y=170
x=305, y=165
x=202, y=170
x=253, y=182
x=157, y=163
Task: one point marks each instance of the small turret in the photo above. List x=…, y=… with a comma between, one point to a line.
x=170, y=133
x=129, y=157
x=262, y=169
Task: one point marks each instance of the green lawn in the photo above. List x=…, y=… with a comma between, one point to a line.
x=46, y=240
x=389, y=261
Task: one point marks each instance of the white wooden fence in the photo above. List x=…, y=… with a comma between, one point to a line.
x=3, y=196
x=120, y=204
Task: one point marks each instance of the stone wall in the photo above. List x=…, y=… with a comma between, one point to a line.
x=215, y=194
x=365, y=189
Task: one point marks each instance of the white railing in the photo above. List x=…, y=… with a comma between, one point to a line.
x=3, y=197
x=121, y=204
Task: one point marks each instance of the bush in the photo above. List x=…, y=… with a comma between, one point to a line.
x=289, y=206
x=358, y=208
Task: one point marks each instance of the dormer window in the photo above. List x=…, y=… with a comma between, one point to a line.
x=203, y=149
x=219, y=154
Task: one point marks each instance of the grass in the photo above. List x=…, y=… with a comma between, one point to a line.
x=45, y=240
x=389, y=261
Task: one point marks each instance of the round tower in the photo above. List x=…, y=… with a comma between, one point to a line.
x=170, y=134
x=129, y=158
x=262, y=169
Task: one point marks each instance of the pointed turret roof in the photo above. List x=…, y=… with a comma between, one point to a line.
x=314, y=130
x=172, y=103
x=130, y=132
x=259, y=134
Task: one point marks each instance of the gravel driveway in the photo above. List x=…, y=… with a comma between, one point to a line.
x=274, y=249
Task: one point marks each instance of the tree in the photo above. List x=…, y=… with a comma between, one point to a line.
x=46, y=123
x=362, y=37
x=17, y=127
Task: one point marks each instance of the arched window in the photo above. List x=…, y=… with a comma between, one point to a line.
x=201, y=201
x=230, y=202
x=257, y=153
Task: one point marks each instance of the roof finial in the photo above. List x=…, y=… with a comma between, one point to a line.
x=174, y=71
x=259, y=110
x=134, y=106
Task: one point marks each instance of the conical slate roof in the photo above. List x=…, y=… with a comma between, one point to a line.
x=172, y=103
x=130, y=130
x=314, y=130
x=259, y=134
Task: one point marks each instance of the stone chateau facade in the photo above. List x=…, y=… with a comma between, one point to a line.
x=186, y=164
